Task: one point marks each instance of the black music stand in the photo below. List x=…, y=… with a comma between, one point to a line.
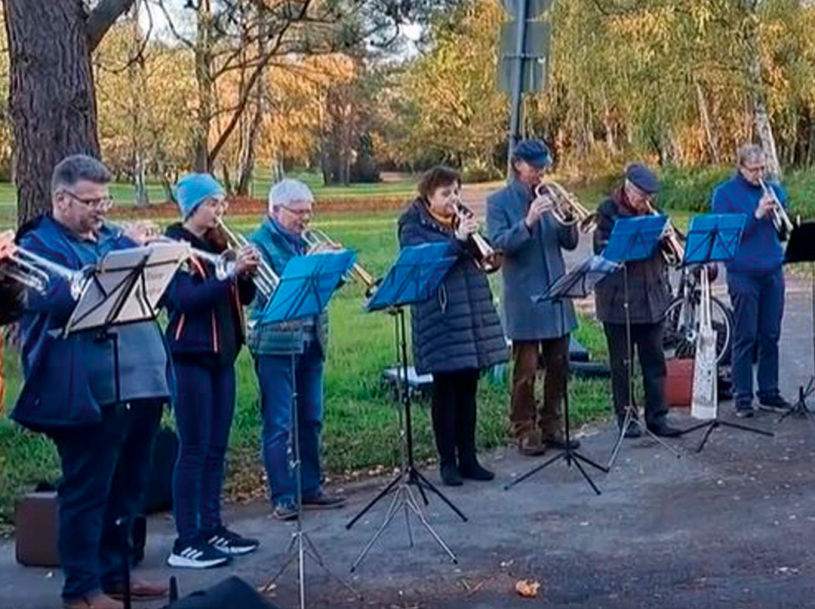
x=413, y=278
x=577, y=283
x=306, y=286
x=715, y=238
x=801, y=248
x=632, y=239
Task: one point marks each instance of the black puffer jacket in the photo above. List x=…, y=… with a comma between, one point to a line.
x=649, y=291
x=458, y=328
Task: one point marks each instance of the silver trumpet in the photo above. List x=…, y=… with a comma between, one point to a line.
x=781, y=221
x=266, y=280
x=567, y=210
x=314, y=237
x=35, y=272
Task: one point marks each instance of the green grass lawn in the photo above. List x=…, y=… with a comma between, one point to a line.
x=360, y=416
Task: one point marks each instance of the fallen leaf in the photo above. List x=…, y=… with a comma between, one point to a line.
x=528, y=588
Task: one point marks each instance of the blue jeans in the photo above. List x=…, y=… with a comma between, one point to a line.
x=758, y=306
x=275, y=377
x=203, y=415
x=104, y=472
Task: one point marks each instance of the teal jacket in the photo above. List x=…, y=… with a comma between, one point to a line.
x=283, y=338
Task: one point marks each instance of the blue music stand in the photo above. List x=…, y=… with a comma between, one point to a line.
x=577, y=283
x=413, y=278
x=633, y=239
x=306, y=286
x=715, y=238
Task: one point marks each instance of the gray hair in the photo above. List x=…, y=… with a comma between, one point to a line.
x=750, y=153
x=76, y=168
x=287, y=191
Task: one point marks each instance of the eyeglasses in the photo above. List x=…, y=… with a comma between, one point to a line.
x=755, y=169
x=300, y=213
x=100, y=204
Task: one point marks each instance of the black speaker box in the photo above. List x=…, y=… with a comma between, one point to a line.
x=232, y=593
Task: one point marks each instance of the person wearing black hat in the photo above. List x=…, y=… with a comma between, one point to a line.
x=648, y=297
x=532, y=242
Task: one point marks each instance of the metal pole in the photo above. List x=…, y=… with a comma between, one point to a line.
x=521, y=11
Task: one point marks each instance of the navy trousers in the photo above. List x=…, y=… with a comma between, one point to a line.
x=104, y=472
x=203, y=415
x=758, y=306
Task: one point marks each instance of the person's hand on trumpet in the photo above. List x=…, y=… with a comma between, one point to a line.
x=247, y=261
x=766, y=205
x=323, y=247
x=7, y=246
x=141, y=231
x=541, y=204
x=467, y=225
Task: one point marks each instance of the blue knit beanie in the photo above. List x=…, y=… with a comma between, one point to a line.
x=193, y=189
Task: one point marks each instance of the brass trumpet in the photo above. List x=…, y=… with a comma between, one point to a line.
x=266, y=280
x=672, y=249
x=34, y=272
x=486, y=257
x=314, y=237
x=568, y=210
x=781, y=221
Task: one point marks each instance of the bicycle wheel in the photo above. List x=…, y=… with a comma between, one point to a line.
x=682, y=328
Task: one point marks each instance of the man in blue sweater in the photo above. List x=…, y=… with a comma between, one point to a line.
x=755, y=281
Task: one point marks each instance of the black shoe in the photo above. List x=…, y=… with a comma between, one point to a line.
x=777, y=403
x=285, y=510
x=663, y=429
x=230, y=542
x=472, y=470
x=323, y=501
x=745, y=412
x=197, y=554
x=450, y=475
x=633, y=430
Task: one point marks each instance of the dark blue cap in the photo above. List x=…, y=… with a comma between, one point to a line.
x=534, y=152
x=642, y=177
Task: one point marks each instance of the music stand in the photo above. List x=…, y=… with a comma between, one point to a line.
x=632, y=239
x=306, y=286
x=125, y=287
x=801, y=248
x=413, y=278
x=577, y=283
x=715, y=238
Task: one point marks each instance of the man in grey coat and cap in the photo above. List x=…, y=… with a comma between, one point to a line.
x=532, y=241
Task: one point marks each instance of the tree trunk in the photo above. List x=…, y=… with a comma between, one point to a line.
x=203, y=77
x=704, y=115
x=51, y=98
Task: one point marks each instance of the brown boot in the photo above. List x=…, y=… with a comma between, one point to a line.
x=140, y=589
x=97, y=600
x=530, y=444
x=557, y=439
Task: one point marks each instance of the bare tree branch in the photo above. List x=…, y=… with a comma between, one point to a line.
x=102, y=17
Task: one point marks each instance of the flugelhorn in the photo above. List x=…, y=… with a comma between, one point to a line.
x=486, y=257
x=781, y=221
x=266, y=280
x=567, y=208
x=314, y=237
x=34, y=271
x=672, y=249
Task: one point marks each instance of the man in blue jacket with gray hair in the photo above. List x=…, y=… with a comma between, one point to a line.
x=531, y=239
x=274, y=347
x=755, y=281
x=98, y=396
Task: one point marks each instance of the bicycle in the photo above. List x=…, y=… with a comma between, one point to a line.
x=682, y=320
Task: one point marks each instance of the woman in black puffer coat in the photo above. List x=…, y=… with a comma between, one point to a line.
x=457, y=332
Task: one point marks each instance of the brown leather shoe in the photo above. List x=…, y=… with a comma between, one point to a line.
x=557, y=439
x=98, y=600
x=140, y=589
x=530, y=445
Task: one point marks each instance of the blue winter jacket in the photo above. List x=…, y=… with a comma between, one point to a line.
x=760, y=250
x=69, y=380
x=206, y=313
